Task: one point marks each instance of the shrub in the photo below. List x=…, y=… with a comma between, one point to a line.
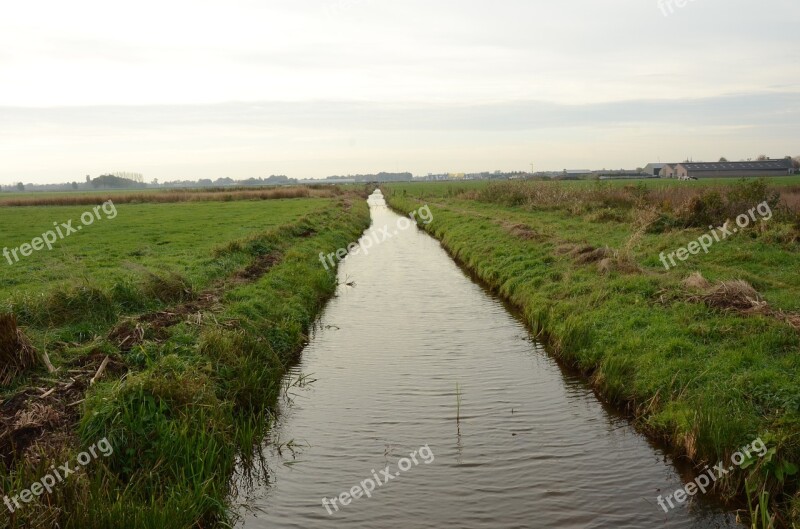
x=703, y=211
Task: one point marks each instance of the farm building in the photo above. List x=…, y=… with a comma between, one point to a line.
x=620, y=174
x=731, y=169
x=654, y=169
x=668, y=171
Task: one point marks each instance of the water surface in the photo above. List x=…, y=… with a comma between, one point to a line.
x=416, y=354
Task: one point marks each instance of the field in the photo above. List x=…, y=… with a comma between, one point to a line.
x=168, y=328
x=703, y=355
x=149, y=236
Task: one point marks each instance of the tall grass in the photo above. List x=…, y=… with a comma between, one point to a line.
x=687, y=206
x=161, y=197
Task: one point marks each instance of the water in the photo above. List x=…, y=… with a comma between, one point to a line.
x=416, y=354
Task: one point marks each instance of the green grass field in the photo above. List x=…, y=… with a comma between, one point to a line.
x=177, y=237
x=188, y=315
x=693, y=365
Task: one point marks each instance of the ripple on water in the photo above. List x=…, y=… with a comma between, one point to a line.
x=532, y=446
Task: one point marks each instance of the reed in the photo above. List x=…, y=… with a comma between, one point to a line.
x=162, y=197
x=458, y=403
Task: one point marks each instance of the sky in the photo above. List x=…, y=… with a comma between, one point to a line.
x=195, y=89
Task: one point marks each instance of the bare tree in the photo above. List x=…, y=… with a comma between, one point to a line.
x=762, y=158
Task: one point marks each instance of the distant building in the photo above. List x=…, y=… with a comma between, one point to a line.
x=733, y=169
x=654, y=169
x=336, y=181
x=668, y=171
x=620, y=174
x=577, y=172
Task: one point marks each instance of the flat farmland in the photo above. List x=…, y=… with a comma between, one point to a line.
x=175, y=237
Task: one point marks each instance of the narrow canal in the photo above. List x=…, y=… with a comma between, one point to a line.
x=412, y=355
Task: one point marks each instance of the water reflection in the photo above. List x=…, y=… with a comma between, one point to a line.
x=520, y=443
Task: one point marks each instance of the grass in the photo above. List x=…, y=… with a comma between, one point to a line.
x=196, y=362
x=162, y=196
x=706, y=378
x=176, y=237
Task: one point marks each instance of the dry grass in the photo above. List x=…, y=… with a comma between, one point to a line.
x=735, y=295
x=16, y=353
x=521, y=231
x=40, y=419
x=608, y=260
x=585, y=255
x=696, y=281
x=213, y=195
x=620, y=262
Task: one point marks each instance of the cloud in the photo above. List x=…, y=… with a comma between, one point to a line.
x=324, y=86
x=772, y=108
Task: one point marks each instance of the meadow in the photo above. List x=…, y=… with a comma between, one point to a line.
x=166, y=330
x=150, y=236
x=703, y=356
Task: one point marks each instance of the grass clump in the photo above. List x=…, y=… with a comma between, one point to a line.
x=16, y=353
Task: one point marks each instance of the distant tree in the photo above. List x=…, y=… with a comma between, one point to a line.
x=74, y=185
x=796, y=162
x=762, y=157
x=277, y=179
x=20, y=186
x=205, y=182
x=154, y=182
x=723, y=159
x=115, y=182
x=88, y=179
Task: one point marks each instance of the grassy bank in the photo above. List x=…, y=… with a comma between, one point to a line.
x=188, y=350
x=707, y=364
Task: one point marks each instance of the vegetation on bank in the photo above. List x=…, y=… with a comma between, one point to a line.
x=704, y=355
x=210, y=194
x=177, y=360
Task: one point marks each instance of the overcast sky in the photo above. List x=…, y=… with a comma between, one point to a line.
x=184, y=89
